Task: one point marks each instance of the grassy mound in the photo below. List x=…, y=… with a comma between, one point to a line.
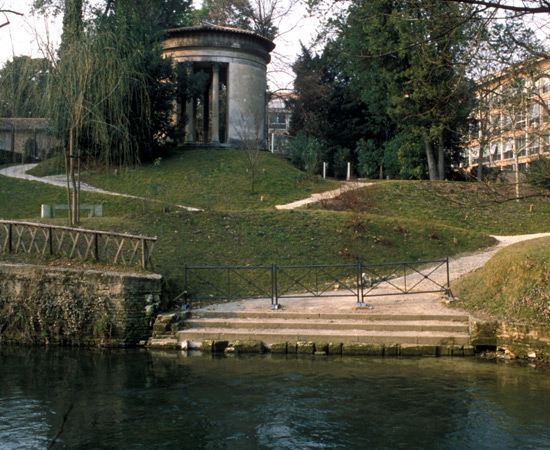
x=514, y=284
x=385, y=222
x=263, y=237
x=213, y=179
x=476, y=206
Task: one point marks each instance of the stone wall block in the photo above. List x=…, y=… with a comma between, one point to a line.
x=45, y=305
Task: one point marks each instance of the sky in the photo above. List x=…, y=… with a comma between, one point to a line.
x=36, y=35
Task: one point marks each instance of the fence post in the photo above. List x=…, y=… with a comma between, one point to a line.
x=360, y=302
x=10, y=249
x=275, y=294
x=185, y=282
x=448, y=279
x=96, y=247
x=143, y=253
x=50, y=240
x=405, y=277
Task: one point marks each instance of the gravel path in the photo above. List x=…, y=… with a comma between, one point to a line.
x=421, y=303
x=347, y=186
x=435, y=303
x=61, y=181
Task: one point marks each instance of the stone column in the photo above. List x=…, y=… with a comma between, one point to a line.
x=190, y=124
x=215, y=97
x=190, y=117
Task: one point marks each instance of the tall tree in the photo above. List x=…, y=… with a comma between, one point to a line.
x=22, y=86
x=110, y=88
x=417, y=49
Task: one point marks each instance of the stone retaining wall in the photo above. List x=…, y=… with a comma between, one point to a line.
x=42, y=305
x=522, y=340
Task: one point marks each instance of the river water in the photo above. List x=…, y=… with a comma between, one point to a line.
x=135, y=399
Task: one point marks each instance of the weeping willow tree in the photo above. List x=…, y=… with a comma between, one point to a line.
x=94, y=88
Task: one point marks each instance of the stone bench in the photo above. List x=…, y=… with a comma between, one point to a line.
x=48, y=211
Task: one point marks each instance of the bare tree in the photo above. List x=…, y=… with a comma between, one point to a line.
x=252, y=143
x=5, y=13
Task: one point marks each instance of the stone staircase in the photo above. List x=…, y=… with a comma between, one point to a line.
x=356, y=333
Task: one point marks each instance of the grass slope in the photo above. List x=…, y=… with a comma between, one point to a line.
x=385, y=222
x=214, y=179
x=476, y=206
x=263, y=237
x=515, y=283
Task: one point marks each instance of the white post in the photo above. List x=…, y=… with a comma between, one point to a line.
x=324, y=170
x=349, y=172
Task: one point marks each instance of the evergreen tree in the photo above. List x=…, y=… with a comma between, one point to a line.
x=413, y=53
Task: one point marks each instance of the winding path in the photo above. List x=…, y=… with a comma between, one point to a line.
x=347, y=186
x=460, y=264
x=20, y=172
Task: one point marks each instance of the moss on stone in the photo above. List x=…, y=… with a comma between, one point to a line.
x=248, y=346
x=279, y=347
x=363, y=349
x=391, y=350
x=207, y=346
x=305, y=348
x=335, y=348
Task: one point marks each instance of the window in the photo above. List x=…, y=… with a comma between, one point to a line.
x=494, y=149
x=520, y=120
x=2, y=145
x=545, y=144
x=508, y=150
x=277, y=120
x=534, y=114
x=521, y=145
x=533, y=145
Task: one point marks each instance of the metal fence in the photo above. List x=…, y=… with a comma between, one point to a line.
x=329, y=280
x=112, y=248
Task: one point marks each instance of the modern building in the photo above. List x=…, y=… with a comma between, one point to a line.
x=512, y=121
x=278, y=121
x=233, y=110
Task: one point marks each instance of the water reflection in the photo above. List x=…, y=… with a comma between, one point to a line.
x=139, y=399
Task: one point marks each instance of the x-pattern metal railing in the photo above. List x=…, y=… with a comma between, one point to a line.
x=318, y=280
x=328, y=280
x=406, y=277
x=228, y=282
x=112, y=248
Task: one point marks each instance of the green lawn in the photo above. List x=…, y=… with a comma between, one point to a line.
x=515, y=283
x=387, y=222
x=471, y=206
x=213, y=179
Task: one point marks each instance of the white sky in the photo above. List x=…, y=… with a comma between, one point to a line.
x=34, y=35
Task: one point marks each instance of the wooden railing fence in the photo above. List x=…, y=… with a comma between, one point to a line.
x=104, y=246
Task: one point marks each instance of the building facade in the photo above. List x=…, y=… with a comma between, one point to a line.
x=512, y=120
x=26, y=139
x=278, y=121
x=232, y=111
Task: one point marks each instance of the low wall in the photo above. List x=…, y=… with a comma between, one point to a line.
x=522, y=340
x=42, y=305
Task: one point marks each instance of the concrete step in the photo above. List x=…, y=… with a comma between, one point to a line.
x=359, y=315
x=333, y=324
x=274, y=336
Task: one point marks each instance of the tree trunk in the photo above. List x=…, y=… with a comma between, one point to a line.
x=480, y=164
x=441, y=158
x=431, y=160
x=516, y=161
x=73, y=206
